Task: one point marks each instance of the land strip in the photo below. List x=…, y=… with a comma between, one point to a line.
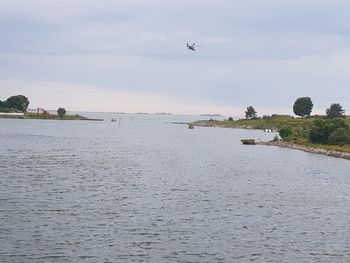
x=306, y=148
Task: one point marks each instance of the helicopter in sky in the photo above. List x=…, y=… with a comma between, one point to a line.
x=192, y=47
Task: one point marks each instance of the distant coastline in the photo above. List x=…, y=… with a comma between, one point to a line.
x=210, y=115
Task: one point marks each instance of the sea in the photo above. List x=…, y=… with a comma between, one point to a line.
x=145, y=188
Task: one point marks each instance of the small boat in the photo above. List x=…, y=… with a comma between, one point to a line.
x=248, y=141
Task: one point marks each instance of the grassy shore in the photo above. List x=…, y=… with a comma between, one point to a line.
x=30, y=115
x=275, y=122
x=301, y=127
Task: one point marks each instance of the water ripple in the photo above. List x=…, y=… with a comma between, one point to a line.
x=156, y=192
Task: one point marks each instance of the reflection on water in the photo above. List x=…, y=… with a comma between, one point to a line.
x=152, y=191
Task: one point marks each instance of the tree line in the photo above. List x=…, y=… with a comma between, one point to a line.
x=303, y=107
x=15, y=103
x=330, y=129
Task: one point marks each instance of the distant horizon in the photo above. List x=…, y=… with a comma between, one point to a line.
x=237, y=112
x=140, y=113
x=172, y=113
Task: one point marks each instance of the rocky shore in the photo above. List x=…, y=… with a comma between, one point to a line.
x=304, y=148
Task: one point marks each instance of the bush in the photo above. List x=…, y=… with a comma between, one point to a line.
x=230, y=119
x=340, y=136
x=322, y=129
x=286, y=132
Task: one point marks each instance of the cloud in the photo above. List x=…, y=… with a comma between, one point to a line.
x=261, y=53
x=88, y=98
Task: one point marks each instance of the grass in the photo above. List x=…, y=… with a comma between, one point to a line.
x=275, y=122
x=300, y=126
x=345, y=148
x=8, y=110
x=30, y=115
x=304, y=141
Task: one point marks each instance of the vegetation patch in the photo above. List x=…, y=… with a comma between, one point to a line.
x=20, y=103
x=31, y=115
x=330, y=131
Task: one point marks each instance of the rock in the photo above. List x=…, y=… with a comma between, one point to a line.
x=308, y=149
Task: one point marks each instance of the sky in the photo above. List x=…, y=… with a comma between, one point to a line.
x=131, y=55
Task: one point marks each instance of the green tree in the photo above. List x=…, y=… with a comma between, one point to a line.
x=18, y=102
x=335, y=110
x=61, y=112
x=322, y=129
x=250, y=113
x=303, y=106
x=230, y=119
x=285, y=132
x=340, y=136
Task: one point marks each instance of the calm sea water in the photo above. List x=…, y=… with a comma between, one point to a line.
x=152, y=191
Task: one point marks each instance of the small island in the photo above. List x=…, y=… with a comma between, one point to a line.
x=15, y=107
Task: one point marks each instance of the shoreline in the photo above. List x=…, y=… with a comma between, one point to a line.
x=49, y=117
x=294, y=146
x=304, y=148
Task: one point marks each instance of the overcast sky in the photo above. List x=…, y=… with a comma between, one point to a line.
x=131, y=55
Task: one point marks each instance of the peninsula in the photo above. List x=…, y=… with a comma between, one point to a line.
x=297, y=133
x=15, y=107
x=327, y=134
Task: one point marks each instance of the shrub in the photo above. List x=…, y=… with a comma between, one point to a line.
x=322, y=129
x=285, y=132
x=340, y=136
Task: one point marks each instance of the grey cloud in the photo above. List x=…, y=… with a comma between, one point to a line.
x=253, y=51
